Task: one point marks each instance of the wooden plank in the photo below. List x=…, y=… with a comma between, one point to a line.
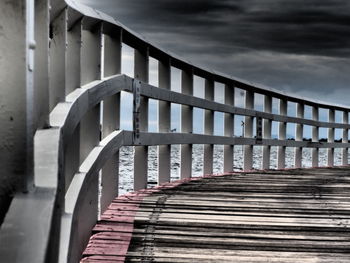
x=300, y=215
x=207, y=255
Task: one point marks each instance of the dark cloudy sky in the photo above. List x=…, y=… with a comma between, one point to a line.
x=300, y=46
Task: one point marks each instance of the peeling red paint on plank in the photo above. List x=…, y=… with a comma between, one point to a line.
x=113, y=232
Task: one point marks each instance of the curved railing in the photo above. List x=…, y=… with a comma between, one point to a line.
x=82, y=143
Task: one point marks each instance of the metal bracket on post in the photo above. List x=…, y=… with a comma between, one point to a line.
x=136, y=87
x=259, y=127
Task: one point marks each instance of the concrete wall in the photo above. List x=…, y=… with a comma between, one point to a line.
x=15, y=86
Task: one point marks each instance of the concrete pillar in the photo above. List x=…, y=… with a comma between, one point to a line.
x=208, y=128
x=299, y=136
x=281, y=155
x=315, y=132
x=16, y=93
x=141, y=68
x=267, y=132
x=345, y=151
x=228, y=128
x=331, y=119
x=248, y=132
x=164, y=116
x=186, y=124
x=111, y=115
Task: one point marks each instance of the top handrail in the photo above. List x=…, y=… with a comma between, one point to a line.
x=179, y=62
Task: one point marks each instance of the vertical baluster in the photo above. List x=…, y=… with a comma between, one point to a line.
x=49, y=63
x=90, y=70
x=228, y=128
x=164, y=80
x=208, y=128
x=141, y=67
x=73, y=53
x=345, y=151
x=112, y=50
x=281, y=158
x=331, y=119
x=315, y=131
x=267, y=132
x=90, y=67
x=299, y=136
x=58, y=60
x=72, y=81
x=186, y=124
x=89, y=132
x=41, y=73
x=248, y=131
x=57, y=92
x=111, y=113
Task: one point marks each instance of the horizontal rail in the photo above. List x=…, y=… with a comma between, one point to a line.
x=156, y=93
x=68, y=114
x=152, y=139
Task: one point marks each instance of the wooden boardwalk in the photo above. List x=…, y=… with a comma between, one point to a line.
x=300, y=215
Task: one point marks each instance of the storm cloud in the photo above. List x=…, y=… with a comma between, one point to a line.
x=291, y=45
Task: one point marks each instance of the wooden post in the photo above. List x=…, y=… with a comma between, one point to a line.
x=208, y=128
x=186, y=124
x=267, y=132
x=72, y=81
x=345, y=152
x=229, y=128
x=281, y=157
x=299, y=136
x=111, y=114
x=331, y=119
x=248, y=132
x=58, y=59
x=73, y=54
x=164, y=116
x=57, y=92
x=141, y=68
x=41, y=72
x=315, y=132
x=90, y=70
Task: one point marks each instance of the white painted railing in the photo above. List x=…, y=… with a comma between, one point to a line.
x=53, y=222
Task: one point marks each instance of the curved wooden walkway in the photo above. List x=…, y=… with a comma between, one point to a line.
x=300, y=215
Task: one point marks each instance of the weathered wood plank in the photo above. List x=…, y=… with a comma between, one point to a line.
x=300, y=215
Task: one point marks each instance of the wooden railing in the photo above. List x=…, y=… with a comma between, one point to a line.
x=78, y=151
